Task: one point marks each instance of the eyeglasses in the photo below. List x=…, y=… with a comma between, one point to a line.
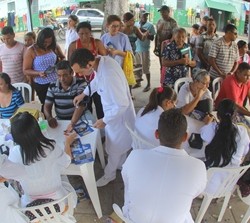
x=115, y=26
x=204, y=83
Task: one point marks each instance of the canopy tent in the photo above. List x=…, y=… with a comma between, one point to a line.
x=221, y=6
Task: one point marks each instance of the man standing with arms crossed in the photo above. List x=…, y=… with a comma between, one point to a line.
x=142, y=49
x=164, y=29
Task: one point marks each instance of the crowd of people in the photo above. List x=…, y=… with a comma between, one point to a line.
x=92, y=70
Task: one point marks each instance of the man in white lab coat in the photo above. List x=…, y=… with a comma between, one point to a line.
x=110, y=83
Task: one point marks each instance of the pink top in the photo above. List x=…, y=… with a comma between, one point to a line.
x=12, y=61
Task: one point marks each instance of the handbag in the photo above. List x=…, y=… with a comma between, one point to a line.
x=195, y=141
x=128, y=68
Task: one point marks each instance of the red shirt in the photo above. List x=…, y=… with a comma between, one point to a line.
x=93, y=51
x=231, y=89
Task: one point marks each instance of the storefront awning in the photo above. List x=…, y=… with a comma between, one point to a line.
x=221, y=6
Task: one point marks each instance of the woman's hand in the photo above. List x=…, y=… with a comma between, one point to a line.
x=184, y=61
x=2, y=179
x=42, y=74
x=207, y=119
x=201, y=92
x=78, y=99
x=112, y=51
x=100, y=124
x=69, y=138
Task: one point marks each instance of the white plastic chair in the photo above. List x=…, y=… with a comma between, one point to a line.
x=137, y=141
x=119, y=213
x=21, y=87
x=181, y=81
x=216, y=84
x=64, y=216
x=229, y=178
x=246, y=200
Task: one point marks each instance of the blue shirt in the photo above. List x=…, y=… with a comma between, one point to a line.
x=143, y=46
x=16, y=102
x=120, y=42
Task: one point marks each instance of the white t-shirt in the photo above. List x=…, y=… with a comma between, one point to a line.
x=41, y=179
x=185, y=96
x=146, y=125
x=161, y=196
x=70, y=36
x=242, y=141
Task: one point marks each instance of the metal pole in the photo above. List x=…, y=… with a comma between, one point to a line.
x=248, y=28
x=29, y=19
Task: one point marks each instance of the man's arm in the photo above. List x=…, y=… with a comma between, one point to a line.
x=77, y=114
x=48, y=114
x=234, y=68
x=212, y=62
x=242, y=110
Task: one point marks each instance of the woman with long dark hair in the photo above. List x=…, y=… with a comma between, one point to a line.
x=41, y=56
x=160, y=99
x=10, y=98
x=37, y=162
x=228, y=143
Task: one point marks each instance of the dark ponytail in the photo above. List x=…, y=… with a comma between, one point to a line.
x=157, y=96
x=221, y=149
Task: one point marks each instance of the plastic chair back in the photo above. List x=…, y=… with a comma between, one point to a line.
x=228, y=179
x=216, y=84
x=48, y=213
x=119, y=213
x=181, y=81
x=21, y=87
x=137, y=141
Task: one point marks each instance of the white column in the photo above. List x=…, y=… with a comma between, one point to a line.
x=29, y=20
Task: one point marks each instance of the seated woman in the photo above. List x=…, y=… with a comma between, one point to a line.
x=228, y=143
x=194, y=98
x=160, y=99
x=10, y=98
x=36, y=162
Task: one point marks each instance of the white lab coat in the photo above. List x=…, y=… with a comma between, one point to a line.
x=146, y=125
x=110, y=83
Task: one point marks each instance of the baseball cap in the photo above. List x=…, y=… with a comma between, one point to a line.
x=164, y=8
x=144, y=12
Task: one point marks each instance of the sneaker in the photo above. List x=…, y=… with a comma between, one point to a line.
x=103, y=181
x=136, y=85
x=147, y=88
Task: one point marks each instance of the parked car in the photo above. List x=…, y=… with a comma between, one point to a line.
x=94, y=16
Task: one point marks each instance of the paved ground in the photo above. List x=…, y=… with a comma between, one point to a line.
x=113, y=192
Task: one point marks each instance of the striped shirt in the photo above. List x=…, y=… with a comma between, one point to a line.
x=63, y=100
x=16, y=102
x=225, y=56
x=12, y=61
